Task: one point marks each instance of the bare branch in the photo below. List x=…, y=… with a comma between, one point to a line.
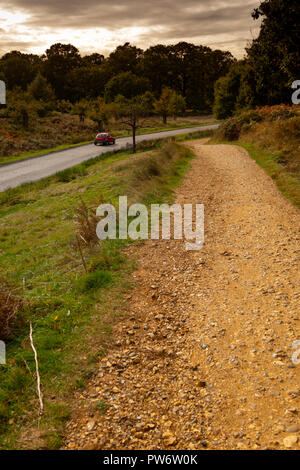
x=37, y=372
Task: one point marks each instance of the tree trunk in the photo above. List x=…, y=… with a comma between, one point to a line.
x=25, y=118
x=165, y=119
x=133, y=138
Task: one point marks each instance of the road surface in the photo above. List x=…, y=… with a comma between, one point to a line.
x=34, y=169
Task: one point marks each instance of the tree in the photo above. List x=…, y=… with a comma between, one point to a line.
x=271, y=65
x=157, y=65
x=19, y=69
x=81, y=109
x=21, y=111
x=126, y=84
x=177, y=104
x=130, y=113
x=227, y=91
x=40, y=89
x=147, y=100
x=92, y=60
x=163, y=106
x=275, y=55
x=124, y=59
x=64, y=106
x=188, y=69
x=60, y=60
x=101, y=113
x=86, y=82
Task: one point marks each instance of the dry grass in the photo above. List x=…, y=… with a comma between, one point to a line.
x=86, y=223
x=271, y=128
x=10, y=308
x=272, y=137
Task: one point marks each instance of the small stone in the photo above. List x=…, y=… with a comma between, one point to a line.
x=90, y=425
x=293, y=428
x=169, y=438
x=290, y=441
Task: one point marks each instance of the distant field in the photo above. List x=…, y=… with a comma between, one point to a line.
x=60, y=131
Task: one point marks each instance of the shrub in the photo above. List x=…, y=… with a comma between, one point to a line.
x=233, y=127
x=147, y=169
x=230, y=130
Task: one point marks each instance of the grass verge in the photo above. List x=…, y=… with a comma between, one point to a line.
x=288, y=183
x=72, y=295
x=271, y=135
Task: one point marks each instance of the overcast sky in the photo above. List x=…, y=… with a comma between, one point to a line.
x=98, y=25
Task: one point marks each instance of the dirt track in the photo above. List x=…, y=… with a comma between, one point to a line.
x=205, y=359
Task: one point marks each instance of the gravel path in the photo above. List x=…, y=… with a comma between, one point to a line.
x=204, y=360
x=34, y=169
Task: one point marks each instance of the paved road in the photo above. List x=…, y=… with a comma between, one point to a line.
x=34, y=169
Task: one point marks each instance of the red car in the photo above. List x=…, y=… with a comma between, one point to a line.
x=104, y=139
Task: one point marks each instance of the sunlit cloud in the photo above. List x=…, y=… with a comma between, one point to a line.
x=34, y=25
x=12, y=18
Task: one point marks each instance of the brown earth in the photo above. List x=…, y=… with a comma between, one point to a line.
x=204, y=360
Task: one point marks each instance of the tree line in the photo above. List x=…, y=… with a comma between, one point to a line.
x=162, y=79
x=189, y=70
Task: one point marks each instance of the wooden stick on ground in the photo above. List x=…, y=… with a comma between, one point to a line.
x=37, y=373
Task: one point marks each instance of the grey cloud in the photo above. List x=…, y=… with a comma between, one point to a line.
x=165, y=20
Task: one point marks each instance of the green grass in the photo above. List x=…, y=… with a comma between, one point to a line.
x=94, y=280
x=101, y=406
x=72, y=311
x=287, y=182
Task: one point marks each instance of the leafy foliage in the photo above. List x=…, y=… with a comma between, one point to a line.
x=271, y=65
x=189, y=70
x=168, y=103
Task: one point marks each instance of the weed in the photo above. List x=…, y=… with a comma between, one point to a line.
x=86, y=223
x=102, y=407
x=79, y=383
x=54, y=440
x=58, y=412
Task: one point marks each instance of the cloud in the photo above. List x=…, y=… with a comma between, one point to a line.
x=98, y=24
